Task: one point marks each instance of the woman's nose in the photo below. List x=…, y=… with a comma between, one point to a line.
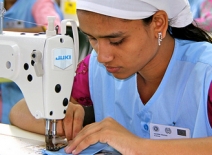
x=104, y=53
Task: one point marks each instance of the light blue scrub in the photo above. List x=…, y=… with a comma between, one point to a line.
x=180, y=100
x=11, y=93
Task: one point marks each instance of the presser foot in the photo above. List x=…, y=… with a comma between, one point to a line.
x=51, y=145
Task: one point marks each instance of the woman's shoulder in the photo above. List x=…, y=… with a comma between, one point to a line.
x=193, y=52
x=85, y=62
x=199, y=47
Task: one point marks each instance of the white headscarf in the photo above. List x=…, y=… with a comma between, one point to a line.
x=178, y=11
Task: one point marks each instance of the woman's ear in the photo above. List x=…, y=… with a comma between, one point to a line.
x=160, y=23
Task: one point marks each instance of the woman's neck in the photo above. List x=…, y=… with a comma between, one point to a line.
x=150, y=78
x=9, y=3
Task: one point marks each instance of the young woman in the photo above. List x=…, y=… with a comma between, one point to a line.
x=149, y=78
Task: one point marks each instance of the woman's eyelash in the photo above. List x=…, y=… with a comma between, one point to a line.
x=89, y=38
x=112, y=43
x=117, y=43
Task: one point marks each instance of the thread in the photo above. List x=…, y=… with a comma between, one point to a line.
x=24, y=21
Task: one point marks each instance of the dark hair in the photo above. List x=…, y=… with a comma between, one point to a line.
x=189, y=32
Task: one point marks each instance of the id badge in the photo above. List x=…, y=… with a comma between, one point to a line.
x=14, y=24
x=158, y=131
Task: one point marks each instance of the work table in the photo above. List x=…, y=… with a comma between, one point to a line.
x=14, y=140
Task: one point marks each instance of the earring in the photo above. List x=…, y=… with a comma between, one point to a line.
x=159, y=38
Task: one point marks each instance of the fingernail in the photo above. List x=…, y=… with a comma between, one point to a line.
x=66, y=148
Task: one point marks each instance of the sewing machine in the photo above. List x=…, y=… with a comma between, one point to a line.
x=43, y=66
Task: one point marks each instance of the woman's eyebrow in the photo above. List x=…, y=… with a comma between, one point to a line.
x=112, y=35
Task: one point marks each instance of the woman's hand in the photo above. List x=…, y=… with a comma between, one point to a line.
x=107, y=131
x=21, y=117
x=73, y=121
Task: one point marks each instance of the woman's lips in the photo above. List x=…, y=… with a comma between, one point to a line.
x=112, y=69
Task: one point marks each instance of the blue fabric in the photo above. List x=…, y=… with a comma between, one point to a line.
x=88, y=151
x=180, y=100
x=195, y=7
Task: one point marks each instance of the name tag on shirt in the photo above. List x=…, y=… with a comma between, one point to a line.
x=14, y=24
x=158, y=131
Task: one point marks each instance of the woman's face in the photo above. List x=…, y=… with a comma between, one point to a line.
x=124, y=47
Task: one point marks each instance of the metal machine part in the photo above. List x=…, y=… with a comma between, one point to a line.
x=53, y=142
x=2, y=11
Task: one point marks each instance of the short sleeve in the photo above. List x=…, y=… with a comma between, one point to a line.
x=80, y=90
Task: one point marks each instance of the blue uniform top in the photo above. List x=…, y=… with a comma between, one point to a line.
x=181, y=96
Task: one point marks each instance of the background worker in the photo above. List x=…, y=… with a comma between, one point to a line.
x=205, y=19
x=30, y=16
x=202, y=13
x=195, y=7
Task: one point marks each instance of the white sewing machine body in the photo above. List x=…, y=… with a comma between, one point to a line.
x=43, y=68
